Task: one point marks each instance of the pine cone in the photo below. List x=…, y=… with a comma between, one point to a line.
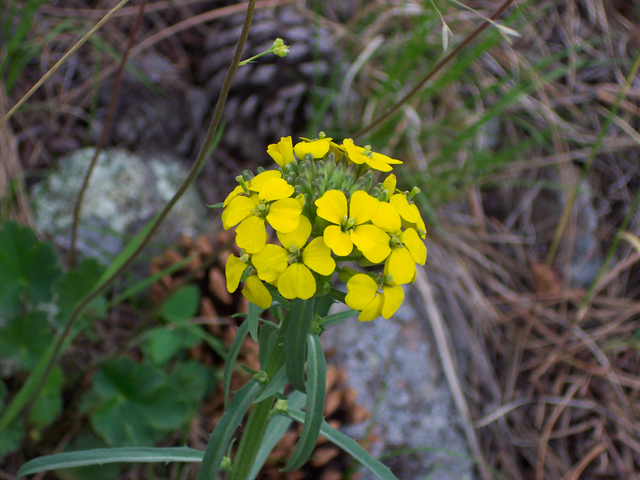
x=271, y=97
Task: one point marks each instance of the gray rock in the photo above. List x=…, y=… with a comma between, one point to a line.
x=124, y=193
x=394, y=367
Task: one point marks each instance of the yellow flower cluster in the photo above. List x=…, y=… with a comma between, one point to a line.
x=324, y=207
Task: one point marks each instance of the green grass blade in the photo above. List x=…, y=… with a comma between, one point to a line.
x=295, y=341
x=221, y=436
x=278, y=426
x=350, y=446
x=314, y=415
x=275, y=385
x=241, y=334
x=100, y=456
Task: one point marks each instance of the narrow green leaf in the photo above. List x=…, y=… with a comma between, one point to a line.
x=277, y=297
x=216, y=205
x=266, y=340
x=254, y=313
x=314, y=414
x=295, y=341
x=278, y=426
x=338, y=317
x=275, y=385
x=241, y=334
x=350, y=446
x=337, y=295
x=227, y=425
x=100, y=456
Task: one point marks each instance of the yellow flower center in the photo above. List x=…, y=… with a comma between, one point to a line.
x=348, y=224
x=294, y=255
x=367, y=151
x=261, y=210
x=395, y=242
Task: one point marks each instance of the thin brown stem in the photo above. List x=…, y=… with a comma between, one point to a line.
x=396, y=108
x=105, y=132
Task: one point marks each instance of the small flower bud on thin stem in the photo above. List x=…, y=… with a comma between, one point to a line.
x=240, y=180
x=414, y=191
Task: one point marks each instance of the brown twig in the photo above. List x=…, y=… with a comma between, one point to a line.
x=105, y=132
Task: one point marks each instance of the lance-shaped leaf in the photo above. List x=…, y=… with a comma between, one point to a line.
x=266, y=339
x=275, y=385
x=314, y=415
x=221, y=436
x=100, y=456
x=230, y=362
x=295, y=341
x=350, y=446
x=252, y=318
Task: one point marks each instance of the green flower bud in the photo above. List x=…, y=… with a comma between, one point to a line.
x=338, y=173
x=281, y=407
x=279, y=48
x=248, y=175
x=375, y=192
x=345, y=274
x=368, y=180
x=324, y=287
x=225, y=464
x=261, y=376
x=290, y=178
x=359, y=185
x=316, y=327
x=329, y=164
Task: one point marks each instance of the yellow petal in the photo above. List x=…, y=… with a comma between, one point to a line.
x=275, y=189
x=317, y=148
x=387, y=218
x=379, y=157
x=393, y=298
x=299, y=236
x=389, y=184
x=317, y=256
x=338, y=241
x=361, y=290
x=368, y=237
x=270, y=262
x=255, y=291
x=377, y=164
x=373, y=310
x=353, y=151
x=400, y=265
x=378, y=254
x=416, y=247
x=282, y=152
x=257, y=182
x=251, y=234
x=233, y=271
x=332, y=206
x=297, y=282
x=362, y=207
x=234, y=193
x=284, y=215
x=411, y=215
x=237, y=210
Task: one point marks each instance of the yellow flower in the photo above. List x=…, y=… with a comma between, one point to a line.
x=350, y=229
x=409, y=212
x=252, y=185
x=318, y=148
x=403, y=250
x=389, y=185
x=253, y=290
x=363, y=295
x=289, y=266
x=282, y=152
x=270, y=205
x=362, y=155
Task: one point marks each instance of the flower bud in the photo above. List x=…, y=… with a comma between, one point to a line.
x=345, y=274
x=279, y=48
x=368, y=180
x=225, y=464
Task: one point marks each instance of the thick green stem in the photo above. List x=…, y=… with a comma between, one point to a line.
x=259, y=417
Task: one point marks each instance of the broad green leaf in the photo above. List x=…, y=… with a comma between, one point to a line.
x=350, y=446
x=295, y=341
x=221, y=436
x=26, y=337
x=314, y=414
x=28, y=269
x=162, y=343
x=241, y=334
x=252, y=318
x=182, y=305
x=76, y=284
x=339, y=317
x=275, y=385
x=49, y=403
x=266, y=340
x=100, y=456
x=278, y=426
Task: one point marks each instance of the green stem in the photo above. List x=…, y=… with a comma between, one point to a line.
x=259, y=417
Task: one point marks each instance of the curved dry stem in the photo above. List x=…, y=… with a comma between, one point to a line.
x=60, y=62
x=396, y=108
x=193, y=173
x=103, y=136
